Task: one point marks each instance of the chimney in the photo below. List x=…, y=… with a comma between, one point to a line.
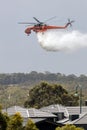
x=73, y=117
x=60, y=115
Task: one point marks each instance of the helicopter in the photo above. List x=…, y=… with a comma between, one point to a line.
x=42, y=27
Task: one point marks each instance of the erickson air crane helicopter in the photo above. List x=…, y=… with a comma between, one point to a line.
x=42, y=27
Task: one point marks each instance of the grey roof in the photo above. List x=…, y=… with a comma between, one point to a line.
x=63, y=121
x=35, y=120
x=12, y=110
x=70, y=110
x=28, y=113
x=81, y=120
x=38, y=113
x=46, y=112
x=55, y=109
x=76, y=109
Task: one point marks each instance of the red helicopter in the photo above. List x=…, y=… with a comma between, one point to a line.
x=42, y=27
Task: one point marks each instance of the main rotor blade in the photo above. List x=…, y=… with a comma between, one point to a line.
x=50, y=19
x=37, y=20
x=26, y=23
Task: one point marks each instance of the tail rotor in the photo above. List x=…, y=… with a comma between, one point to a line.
x=70, y=22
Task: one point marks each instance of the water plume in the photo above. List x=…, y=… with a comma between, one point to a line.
x=62, y=40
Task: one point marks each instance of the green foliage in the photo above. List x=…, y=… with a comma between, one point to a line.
x=30, y=125
x=3, y=121
x=0, y=107
x=35, y=77
x=69, y=100
x=15, y=122
x=45, y=94
x=13, y=95
x=69, y=127
x=17, y=86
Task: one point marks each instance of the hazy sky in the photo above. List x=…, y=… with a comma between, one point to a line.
x=21, y=53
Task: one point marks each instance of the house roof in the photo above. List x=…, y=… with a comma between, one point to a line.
x=28, y=113
x=12, y=110
x=35, y=120
x=55, y=109
x=81, y=120
x=38, y=113
x=46, y=112
x=72, y=110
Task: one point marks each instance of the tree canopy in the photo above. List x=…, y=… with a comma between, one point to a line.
x=30, y=125
x=15, y=122
x=3, y=120
x=45, y=94
x=69, y=127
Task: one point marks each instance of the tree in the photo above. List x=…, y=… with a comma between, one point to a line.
x=0, y=107
x=30, y=125
x=69, y=127
x=3, y=121
x=69, y=100
x=45, y=94
x=15, y=122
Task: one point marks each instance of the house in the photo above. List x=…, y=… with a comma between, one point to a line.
x=43, y=120
x=52, y=116
x=69, y=115
x=59, y=110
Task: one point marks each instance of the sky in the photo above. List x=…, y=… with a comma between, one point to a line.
x=20, y=53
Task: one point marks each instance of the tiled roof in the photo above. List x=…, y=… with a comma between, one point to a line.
x=81, y=120
x=55, y=109
x=35, y=120
x=46, y=112
x=76, y=109
x=38, y=113
x=26, y=113
x=12, y=110
x=71, y=110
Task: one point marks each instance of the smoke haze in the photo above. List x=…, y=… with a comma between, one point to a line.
x=62, y=41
